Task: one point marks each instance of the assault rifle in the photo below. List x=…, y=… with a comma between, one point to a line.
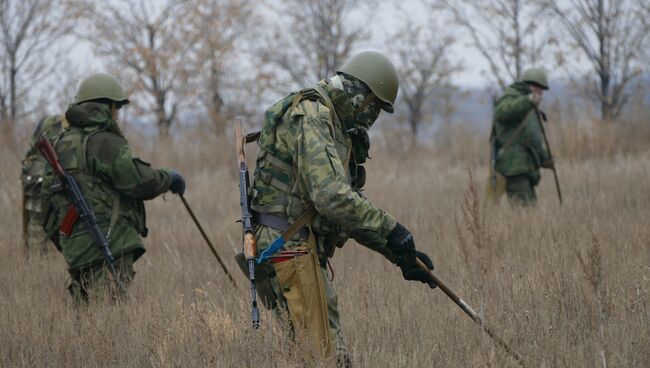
x=79, y=208
x=250, y=247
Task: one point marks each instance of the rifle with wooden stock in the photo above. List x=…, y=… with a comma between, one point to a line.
x=249, y=242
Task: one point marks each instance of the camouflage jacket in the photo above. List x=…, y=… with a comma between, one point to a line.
x=520, y=149
x=112, y=180
x=304, y=161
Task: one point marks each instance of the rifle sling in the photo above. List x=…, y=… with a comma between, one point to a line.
x=518, y=131
x=300, y=222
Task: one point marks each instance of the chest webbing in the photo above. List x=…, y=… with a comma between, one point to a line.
x=75, y=159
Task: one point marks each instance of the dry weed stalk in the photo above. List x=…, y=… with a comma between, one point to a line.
x=475, y=223
x=592, y=268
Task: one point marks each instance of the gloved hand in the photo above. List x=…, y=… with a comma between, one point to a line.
x=548, y=164
x=535, y=99
x=412, y=271
x=178, y=183
x=400, y=240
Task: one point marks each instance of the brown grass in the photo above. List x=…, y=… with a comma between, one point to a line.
x=566, y=286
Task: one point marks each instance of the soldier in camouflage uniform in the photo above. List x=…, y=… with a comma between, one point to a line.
x=311, y=150
x=33, y=169
x=113, y=182
x=520, y=143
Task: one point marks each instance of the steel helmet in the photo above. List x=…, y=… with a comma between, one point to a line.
x=98, y=86
x=536, y=76
x=377, y=72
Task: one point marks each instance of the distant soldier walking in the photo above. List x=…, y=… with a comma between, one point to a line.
x=31, y=176
x=310, y=170
x=519, y=138
x=113, y=182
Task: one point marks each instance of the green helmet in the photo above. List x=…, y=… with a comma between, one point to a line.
x=377, y=72
x=536, y=76
x=100, y=85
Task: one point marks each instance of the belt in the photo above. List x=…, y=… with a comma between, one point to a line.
x=277, y=223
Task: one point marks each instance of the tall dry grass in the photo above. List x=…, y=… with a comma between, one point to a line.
x=567, y=286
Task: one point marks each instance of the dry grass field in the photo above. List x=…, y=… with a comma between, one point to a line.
x=566, y=286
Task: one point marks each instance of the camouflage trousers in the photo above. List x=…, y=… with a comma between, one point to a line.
x=96, y=282
x=520, y=190
x=35, y=239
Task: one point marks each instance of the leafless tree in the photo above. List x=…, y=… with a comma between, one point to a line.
x=611, y=36
x=30, y=31
x=314, y=38
x=425, y=68
x=221, y=26
x=149, y=42
x=507, y=33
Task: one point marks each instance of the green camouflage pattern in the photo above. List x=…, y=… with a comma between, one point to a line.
x=317, y=142
x=95, y=282
x=520, y=151
x=319, y=149
x=31, y=177
x=520, y=190
x=96, y=153
x=357, y=92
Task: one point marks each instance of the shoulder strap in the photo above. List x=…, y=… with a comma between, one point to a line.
x=115, y=208
x=519, y=129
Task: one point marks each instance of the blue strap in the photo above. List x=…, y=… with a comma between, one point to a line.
x=271, y=249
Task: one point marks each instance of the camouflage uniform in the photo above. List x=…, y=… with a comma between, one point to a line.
x=520, y=143
x=32, y=171
x=311, y=151
x=114, y=183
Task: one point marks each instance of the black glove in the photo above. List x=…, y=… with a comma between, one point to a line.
x=412, y=272
x=548, y=164
x=178, y=183
x=400, y=240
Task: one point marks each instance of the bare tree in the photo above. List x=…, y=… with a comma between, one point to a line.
x=221, y=26
x=149, y=43
x=30, y=31
x=424, y=68
x=507, y=34
x=611, y=35
x=314, y=38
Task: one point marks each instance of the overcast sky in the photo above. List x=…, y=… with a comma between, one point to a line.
x=387, y=20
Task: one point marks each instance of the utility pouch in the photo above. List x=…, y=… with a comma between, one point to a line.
x=264, y=274
x=70, y=218
x=303, y=287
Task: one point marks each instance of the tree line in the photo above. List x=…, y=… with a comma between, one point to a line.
x=225, y=57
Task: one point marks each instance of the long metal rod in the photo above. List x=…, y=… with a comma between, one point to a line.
x=548, y=148
x=473, y=315
x=207, y=240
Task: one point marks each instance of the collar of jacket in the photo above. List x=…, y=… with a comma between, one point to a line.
x=342, y=105
x=521, y=87
x=92, y=114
